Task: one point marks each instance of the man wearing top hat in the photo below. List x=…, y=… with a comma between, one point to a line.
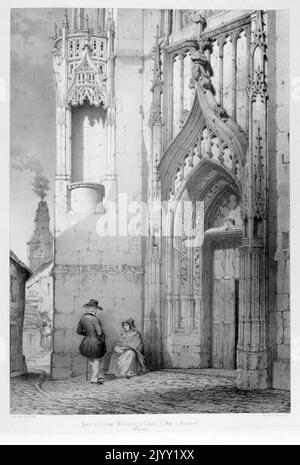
x=93, y=345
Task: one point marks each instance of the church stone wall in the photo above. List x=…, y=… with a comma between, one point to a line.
x=281, y=372
x=111, y=268
x=108, y=267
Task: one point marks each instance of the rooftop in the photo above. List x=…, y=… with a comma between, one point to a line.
x=14, y=257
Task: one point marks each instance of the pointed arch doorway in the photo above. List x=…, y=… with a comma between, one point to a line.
x=222, y=294
x=202, y=271
x=222, y=240
x=200, y=175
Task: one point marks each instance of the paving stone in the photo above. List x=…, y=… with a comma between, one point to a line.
x=155, y=393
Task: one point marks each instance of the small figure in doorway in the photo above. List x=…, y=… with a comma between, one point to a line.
x=46, y=332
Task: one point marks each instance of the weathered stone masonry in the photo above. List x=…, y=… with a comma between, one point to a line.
x=201, y=118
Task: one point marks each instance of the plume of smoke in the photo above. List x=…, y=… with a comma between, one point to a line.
x=22, y=161
x=40, y=186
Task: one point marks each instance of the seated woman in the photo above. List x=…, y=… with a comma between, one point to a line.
x=127, y=355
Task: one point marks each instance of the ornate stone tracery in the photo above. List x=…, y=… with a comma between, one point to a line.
x=258, y=208
x=88, y=82
x=82, y=60
x=204, y=161
x=155, y=118
x=257, y=87
x=221, y=139
x=260, y=33
x=84, y=72
x=211, y=162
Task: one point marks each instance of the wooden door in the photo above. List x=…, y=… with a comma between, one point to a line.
x=225, y=269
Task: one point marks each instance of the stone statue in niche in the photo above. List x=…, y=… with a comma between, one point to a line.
x=201, y=71
x=58, y=71
x=228, y=212
x=221, y=215
x=234, y=216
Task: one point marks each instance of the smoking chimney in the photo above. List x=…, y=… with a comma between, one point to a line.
x=40, y=246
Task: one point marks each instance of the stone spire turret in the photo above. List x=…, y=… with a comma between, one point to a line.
x=40, y=246
x=87, y=18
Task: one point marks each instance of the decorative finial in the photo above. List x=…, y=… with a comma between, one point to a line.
x=86, y=39
x=157, y=64
x=87, y=21
x=157, y=32
x=55, y=31
x=155, y=118
x=66, y=19
x=110, y=24
x=259, y=33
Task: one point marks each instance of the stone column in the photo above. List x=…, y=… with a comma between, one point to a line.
x=170, y=107
x=152, y=319
x=201, y=286
x=221, y=44
x=233, y=79
x=252, y=356
x=205, y=316
x=110, y=177
x=63, y=128
x=252, y=351
x=181, y=58
x=247, y=71
x=169, y=314
x=68, y=143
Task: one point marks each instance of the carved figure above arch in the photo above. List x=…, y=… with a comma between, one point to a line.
x=225, y=209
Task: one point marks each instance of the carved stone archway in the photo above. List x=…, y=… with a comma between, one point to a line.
x=210, y=150
x=191, y=214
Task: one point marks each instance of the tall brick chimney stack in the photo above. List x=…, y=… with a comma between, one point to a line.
x=40, y=246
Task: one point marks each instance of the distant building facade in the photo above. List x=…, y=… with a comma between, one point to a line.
x=38, y=323
x=172, y=186
x=19, y=274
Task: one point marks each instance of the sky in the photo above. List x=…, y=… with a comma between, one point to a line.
x=32, y=117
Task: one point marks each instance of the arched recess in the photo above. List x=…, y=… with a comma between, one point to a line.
x=199, y=220
x=200, y=171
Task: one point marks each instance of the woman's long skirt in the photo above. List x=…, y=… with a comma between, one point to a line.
x=125, y=364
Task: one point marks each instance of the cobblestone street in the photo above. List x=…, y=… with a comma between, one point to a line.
x=183, y=391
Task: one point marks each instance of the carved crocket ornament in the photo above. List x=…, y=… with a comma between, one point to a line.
x=201, y=70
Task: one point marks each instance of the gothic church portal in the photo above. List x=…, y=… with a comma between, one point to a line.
x=186, y=112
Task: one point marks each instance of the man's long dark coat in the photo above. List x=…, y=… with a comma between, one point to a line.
x=93, y=345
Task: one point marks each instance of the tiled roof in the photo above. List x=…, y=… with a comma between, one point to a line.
x=42, y=267
x=13, y=257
